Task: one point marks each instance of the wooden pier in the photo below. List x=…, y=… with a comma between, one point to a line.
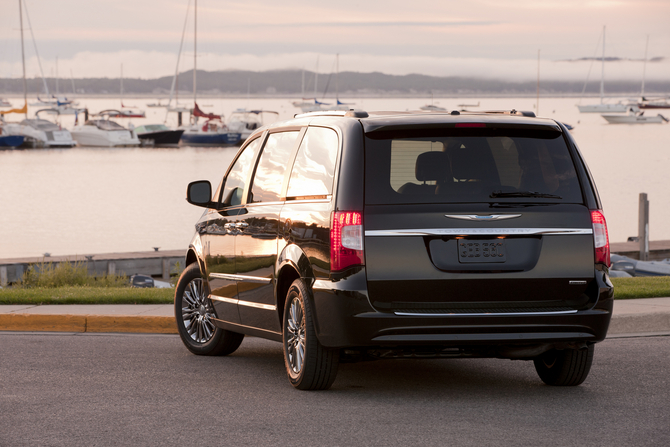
x=159, y=264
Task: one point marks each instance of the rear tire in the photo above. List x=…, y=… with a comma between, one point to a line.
x=567, y=367
x=194, y=311
x=309, y=365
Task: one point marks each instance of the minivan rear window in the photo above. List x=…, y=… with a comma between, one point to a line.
x=501, y=167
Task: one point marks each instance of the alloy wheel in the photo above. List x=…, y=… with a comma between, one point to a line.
x=295, y=344
x=197, y=312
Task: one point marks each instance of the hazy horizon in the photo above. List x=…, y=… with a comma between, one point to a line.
x=482, y=38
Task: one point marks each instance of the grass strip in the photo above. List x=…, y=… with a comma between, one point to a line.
x=86, y=295
x=641, y=287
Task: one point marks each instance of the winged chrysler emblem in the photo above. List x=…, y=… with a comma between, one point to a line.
x=482, y=217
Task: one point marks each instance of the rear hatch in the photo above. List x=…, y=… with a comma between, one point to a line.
x=483, y=218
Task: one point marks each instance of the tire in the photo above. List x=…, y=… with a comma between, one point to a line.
x=309, y=365
x=567, y=367
x=193, y=312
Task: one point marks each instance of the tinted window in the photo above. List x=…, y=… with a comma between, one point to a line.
x=237, y=177
x=469, y=169
x=271, y=168
x=314, y=166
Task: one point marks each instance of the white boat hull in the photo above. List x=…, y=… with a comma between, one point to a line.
x=104, y=138
x=634, y=119
x=603, y=108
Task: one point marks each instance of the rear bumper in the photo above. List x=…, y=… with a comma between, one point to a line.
x=344, y=318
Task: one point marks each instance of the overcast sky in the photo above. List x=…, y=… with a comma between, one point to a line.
x=474, y=38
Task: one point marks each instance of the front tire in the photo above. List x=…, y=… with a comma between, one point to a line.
x=567, y=367
x=309, y=365
x=194, y=313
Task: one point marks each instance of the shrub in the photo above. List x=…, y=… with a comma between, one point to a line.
x=49, y=275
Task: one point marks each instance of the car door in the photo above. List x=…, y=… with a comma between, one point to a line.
x=218, y=229
x=257, y=232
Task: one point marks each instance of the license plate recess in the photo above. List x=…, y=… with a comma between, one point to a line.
x=481, y=250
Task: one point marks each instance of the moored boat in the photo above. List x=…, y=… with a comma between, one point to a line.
x=246, y=121
x=158, y=135
x=40, y=132
x=104, y=133
x=635, y=116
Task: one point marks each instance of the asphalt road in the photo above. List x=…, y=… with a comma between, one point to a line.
x=79, y=389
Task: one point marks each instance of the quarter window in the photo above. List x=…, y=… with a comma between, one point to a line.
x=314, y=166
x=238, y=175
x=271, y=168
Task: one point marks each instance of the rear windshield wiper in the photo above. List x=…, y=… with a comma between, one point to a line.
x=540, y=195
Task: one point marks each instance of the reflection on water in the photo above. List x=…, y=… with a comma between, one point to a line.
x=85, y=200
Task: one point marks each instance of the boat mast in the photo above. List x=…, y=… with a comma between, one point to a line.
x=39, y=61
x=316, y=75
x=23, y=61
x=602, y=71
x=195, y=50
x=644, y=67
x=175, y=80
x=537, y=106
x=121, y=91
x=337, y=77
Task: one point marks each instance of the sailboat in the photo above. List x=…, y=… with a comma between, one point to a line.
x=114, y=113
x=214, y=131
x=4, y=129
x=602, y=107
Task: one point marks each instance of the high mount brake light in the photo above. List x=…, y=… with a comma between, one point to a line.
x=346, y=240
x=601, y=240
x=470, y=125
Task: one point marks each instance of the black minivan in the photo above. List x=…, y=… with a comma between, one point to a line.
x=348, y=236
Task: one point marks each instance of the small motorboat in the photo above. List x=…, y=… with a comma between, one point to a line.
x=157, y=104
x=41, y=132
x=246, y=121
x=5, y=103
x=635, y=116
x=158, y=135
x=113, y=113
x=104, y=133
x=312, y=105
x=657, y=103
x=432, y=108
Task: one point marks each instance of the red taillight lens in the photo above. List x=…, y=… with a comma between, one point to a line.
x=601, y=240
x=346, y=240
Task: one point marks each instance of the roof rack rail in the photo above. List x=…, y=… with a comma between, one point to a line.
x=349, y=113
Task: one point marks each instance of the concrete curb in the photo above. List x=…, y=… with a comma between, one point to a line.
x=87, y=323
x=643, y=315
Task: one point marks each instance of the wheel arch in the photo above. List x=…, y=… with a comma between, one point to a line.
x=292, y=264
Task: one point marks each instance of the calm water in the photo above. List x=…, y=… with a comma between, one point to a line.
x=89, y=200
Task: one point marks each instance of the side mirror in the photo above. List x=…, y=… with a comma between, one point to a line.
x=199, y=193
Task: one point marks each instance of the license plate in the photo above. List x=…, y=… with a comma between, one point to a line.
x=481, y=251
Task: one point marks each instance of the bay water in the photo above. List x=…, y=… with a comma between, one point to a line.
x=85, y=200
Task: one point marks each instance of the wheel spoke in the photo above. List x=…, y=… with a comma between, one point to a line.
x=197, y=311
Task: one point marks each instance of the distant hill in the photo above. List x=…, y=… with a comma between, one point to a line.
x=350, y=84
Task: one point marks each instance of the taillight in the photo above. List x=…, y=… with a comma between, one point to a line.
x=346, y=240
x=601, y=239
